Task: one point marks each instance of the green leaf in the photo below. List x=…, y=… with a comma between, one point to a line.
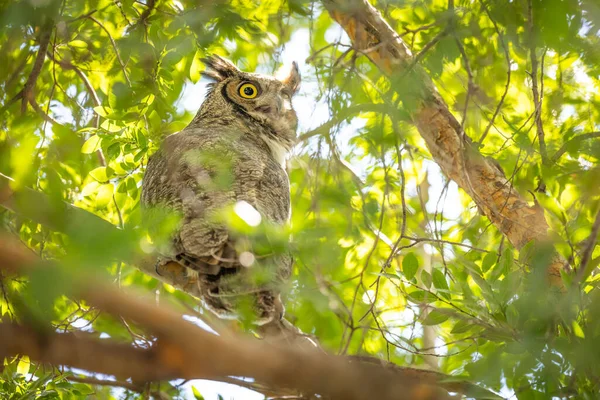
x=102, y=174
x=78, y=43
x=105, y=195
x=23, y=366
x=434, y=318
x=461, y=327
x=426, y=279
x=439, y=280
x=421, y=296
x=488, y=261
x=195, y=68
x=197, y=394
x=410, y=265
x=91, y=145
x=90, y=188
x=103, y=111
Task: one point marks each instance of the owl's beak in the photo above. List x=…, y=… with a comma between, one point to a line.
x=273, y=109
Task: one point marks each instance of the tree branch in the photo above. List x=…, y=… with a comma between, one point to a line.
x=450, y=148
x=186, y=351
x=575, y=140
x=77, y=351
x=29, y=88
x=134, y=387
x=114, y=45
x=582, y=272
x=344, y=114
x=537, y=100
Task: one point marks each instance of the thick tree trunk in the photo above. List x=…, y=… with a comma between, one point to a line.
x=450, y=148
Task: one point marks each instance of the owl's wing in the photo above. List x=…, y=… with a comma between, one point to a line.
x=183, y=177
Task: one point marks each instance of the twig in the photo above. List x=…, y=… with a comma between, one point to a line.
x=428, y=47
x=29, y=88
x=13, y=100
x=407, y=30
x=105, y=382
x=470, y=83
x=68, y=66
x=534, y=85
x=575, y=140
x=150, y=4
x=92, y=92
x=508, y=74
x=86, y=15
x=589, y=248
x=341, y=116
x=42, y=113
x=114, y=45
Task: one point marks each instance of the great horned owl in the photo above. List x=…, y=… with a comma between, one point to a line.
x=233, y=152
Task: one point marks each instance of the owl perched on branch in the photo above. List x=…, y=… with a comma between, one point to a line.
x=231, y=154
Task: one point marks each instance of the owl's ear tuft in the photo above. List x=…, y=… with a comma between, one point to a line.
x=290, y=77
x=218, y=68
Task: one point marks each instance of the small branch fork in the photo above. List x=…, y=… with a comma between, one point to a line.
x=27, y=94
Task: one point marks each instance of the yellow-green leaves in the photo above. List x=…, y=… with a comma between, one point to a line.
x=196, y=67
x=23, y=365
x=102, y=174
x=91, y=145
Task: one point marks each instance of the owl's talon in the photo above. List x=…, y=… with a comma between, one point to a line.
x=156, y=267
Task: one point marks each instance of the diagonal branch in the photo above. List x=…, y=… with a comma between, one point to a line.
x=114, y=45
x=184, y=350
x=576, y=140
x=28, y=92
x=450, y=148
x=537, y=96
x=582, y=272
x=102, y=356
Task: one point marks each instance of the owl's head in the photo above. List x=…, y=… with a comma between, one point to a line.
x=265, y=99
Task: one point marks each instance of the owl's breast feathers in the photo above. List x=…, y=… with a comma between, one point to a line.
x=197, y=173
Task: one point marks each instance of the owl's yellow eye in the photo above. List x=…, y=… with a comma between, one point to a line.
x=248, y=91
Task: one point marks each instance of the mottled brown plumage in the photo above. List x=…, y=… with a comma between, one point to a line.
x=233, y=151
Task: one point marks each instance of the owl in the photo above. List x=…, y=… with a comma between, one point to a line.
x=232, y=154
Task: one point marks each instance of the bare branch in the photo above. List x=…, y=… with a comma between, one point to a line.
x=102, y=356
x=537, y=100
x=29, y=88
x=42, y=113
x=575, y=140
x=589, y=248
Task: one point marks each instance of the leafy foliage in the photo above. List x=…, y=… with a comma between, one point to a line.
x=388, y=253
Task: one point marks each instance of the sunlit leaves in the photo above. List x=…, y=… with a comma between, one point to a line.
x=358, y=284
x=410, y=265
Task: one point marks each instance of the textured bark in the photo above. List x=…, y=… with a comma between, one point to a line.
x=450, y=148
